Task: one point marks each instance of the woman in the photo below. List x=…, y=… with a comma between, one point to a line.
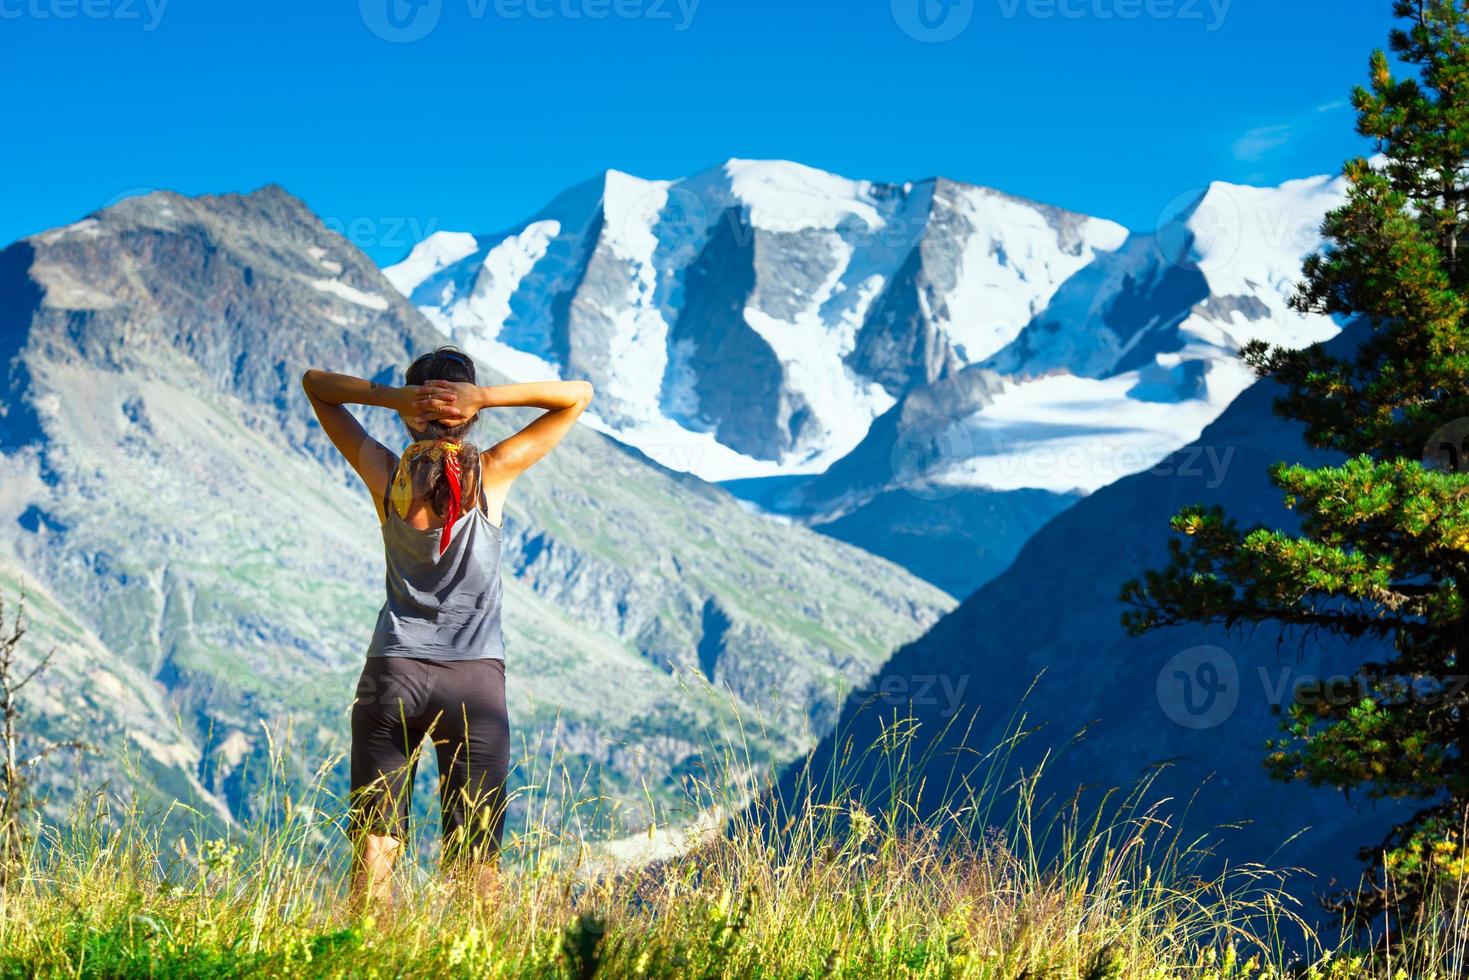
x=436, y=662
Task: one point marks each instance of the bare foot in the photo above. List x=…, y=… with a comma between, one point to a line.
x=477, y=882
x=372, y=875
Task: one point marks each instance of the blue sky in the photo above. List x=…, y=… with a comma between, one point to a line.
x=1111, y=107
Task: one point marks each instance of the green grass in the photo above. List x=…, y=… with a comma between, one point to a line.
x=993, y=886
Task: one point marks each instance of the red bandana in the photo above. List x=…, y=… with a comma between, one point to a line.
x=451, y=473
x=444, y=451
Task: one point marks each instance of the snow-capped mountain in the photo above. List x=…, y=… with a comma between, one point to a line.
x=755, y=319
x=885, y=361
x=1135, y=354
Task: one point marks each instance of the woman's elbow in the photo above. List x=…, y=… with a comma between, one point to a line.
x=309, y=378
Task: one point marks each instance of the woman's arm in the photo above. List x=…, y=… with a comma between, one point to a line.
x=564, y=401
x=554, y=395
x=329, y=395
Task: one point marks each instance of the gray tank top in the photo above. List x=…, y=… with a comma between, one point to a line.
x=441, y=607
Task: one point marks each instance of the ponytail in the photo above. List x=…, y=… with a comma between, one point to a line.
x=430, y=478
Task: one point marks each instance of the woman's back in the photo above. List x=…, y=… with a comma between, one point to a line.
x=444, y=598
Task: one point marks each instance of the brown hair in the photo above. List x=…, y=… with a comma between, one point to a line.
x=429, y=484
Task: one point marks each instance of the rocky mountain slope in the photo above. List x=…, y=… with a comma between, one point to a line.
x=848, y=352
x=206, y=565
x=1040, y=649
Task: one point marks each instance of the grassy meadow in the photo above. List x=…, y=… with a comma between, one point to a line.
x=996, y=886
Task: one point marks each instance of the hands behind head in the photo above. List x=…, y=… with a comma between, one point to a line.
x=449, y=403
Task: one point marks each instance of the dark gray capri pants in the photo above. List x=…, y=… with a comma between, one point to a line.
x=460, y=705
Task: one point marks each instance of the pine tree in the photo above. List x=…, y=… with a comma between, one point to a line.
x=1382, y=549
